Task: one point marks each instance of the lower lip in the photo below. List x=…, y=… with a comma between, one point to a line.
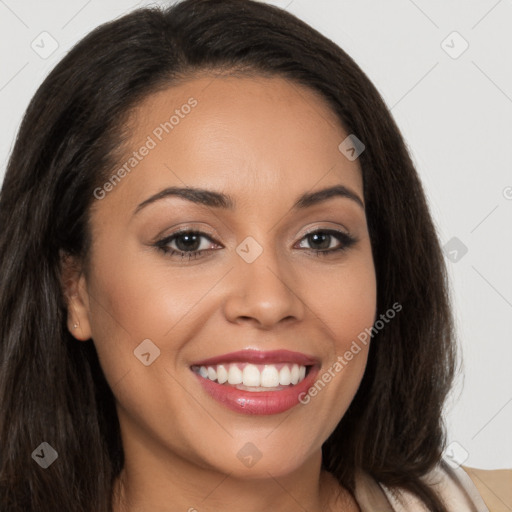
x=258, y=402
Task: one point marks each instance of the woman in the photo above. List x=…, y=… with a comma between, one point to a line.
x=171, y=337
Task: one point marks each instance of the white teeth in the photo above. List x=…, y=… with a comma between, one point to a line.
x=295, y=374
x=234, y=375
x=212, y=373
x=285, y=376
x=251, y=376
x=270, y=376
x=256, y=376
x=222, y=374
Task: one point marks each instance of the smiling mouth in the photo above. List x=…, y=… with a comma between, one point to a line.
x=254, y=377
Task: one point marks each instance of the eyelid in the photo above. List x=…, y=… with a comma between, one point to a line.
x=203, y=230
x=323, y=227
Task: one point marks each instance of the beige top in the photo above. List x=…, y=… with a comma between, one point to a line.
x=453, y=485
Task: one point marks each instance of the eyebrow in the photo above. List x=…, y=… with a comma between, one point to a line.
x=220, y=200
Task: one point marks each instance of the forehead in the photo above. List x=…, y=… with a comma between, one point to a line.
x=267, y=136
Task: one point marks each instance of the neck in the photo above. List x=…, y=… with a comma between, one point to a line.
x=162, y=485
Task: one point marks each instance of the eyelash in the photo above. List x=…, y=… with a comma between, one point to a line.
x=346, y=240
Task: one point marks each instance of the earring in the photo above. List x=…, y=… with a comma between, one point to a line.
x=75, y=326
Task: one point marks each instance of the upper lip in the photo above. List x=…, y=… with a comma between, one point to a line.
x=260, y=357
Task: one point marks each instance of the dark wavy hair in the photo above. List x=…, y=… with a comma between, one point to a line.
x=52, y=388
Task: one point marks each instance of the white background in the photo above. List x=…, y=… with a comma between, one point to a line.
x=456, y=117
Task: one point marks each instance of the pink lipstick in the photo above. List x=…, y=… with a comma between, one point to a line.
x=257, y=382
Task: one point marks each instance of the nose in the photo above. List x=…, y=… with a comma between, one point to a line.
x=264, y=292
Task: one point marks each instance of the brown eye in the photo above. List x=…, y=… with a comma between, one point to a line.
x=322, y=239
x=187, y=244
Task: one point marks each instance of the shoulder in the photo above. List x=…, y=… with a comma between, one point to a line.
x=494, y=485
x=459, y=492
x=461, y=488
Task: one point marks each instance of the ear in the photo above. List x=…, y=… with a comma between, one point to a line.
x=74, y=288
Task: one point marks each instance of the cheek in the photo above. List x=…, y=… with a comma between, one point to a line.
x=135, y=296
x=344, y=301
x=345, y=304
x=343, y=298
x=141, y=298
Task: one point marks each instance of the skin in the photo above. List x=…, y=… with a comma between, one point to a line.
x=264, y=141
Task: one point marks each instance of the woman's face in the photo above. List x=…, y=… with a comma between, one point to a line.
x=255, y=301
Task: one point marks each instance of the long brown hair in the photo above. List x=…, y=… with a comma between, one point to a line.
x=52, y=388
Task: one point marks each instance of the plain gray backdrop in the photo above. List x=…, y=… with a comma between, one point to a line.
x=444, y=68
